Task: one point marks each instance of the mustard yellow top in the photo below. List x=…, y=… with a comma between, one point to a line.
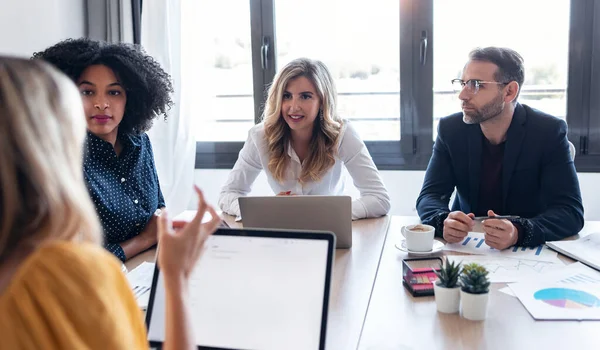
x=70, y=296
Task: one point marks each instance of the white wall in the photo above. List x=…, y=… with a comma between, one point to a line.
x=27, y=26
x=403, y=186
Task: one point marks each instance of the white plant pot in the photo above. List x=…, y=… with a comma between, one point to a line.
x=447, y=299
x=474, y=306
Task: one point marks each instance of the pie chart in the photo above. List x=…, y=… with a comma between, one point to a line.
x=567, y=298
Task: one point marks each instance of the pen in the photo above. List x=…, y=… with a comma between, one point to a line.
x=509, y=217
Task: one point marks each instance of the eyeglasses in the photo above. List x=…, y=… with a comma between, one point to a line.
x=472, y=85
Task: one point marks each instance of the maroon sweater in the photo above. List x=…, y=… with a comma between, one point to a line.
x=490, y=187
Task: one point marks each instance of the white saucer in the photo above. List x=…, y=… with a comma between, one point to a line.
x=437, y=246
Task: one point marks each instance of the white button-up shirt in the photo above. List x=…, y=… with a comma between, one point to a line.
x=374, y=200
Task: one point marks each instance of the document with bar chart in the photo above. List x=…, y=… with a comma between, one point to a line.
x=474, y=243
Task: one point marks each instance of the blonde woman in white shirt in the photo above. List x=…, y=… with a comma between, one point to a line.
x=303, y=143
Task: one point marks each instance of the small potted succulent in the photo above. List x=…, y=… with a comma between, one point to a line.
x=474, y=294
x=447, y=287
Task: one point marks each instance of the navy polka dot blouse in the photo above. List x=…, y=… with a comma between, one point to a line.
x=125, y=189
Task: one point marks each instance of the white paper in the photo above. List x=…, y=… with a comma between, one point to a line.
x=140, y=278
x=189, y=215
x=502, y=270
x=474, y=243
x=507, y=291
x=546, y=301
x=574, y=274
x=577, y=290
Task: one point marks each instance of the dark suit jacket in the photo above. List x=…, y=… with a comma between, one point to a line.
x=539, y=181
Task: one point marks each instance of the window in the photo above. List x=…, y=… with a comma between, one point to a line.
x=363, y=59
x=584, y=84
x=393, y=62
x=542, y=41
x=217, y=66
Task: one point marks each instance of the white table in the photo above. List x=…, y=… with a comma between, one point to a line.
x=397, y=320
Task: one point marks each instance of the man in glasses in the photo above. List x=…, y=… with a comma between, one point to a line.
x=503, y=158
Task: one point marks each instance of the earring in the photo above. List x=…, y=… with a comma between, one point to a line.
x=321, y=114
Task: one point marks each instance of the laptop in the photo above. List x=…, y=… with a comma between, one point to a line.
x=327, y=213
x=255, y=289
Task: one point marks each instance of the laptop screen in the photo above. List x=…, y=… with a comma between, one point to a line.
x=256, y=290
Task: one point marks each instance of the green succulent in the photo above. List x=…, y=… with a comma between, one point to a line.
x=448, y=274
x=474, y=279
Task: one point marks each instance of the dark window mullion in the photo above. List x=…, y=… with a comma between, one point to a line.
x=268, y=27
x=262, y=28
x=583, y=106
x=416, y=79
x=423, y=82
x=579, y=72
x=407, y=78
x=593, y=138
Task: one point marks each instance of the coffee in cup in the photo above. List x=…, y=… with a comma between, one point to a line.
x=419, y=228
x=419, y=238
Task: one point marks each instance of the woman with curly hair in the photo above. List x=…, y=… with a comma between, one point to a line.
x=123, y=90
x=303, y=143
x=58, y=288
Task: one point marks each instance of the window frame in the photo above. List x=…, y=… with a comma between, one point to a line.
x=583, y=110
x=414, y=149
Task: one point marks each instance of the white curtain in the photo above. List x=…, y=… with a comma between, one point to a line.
x=173, y=141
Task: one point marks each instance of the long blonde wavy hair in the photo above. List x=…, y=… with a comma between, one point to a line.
x=327, y=127
x=42, y=129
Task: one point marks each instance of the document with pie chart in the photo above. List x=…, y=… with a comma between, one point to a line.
x=559, y=301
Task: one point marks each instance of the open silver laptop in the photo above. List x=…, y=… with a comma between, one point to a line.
x=255, y=289
x=325, y=213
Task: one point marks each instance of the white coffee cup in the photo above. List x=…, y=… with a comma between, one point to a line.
x=419, y=238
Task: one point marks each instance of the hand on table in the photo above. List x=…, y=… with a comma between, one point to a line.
x=457, y=225
x=499, y=234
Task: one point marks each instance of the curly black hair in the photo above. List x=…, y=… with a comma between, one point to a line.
x=147, y=85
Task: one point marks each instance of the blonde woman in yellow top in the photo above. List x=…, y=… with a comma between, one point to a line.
x=303, y=145
x=59, y=289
